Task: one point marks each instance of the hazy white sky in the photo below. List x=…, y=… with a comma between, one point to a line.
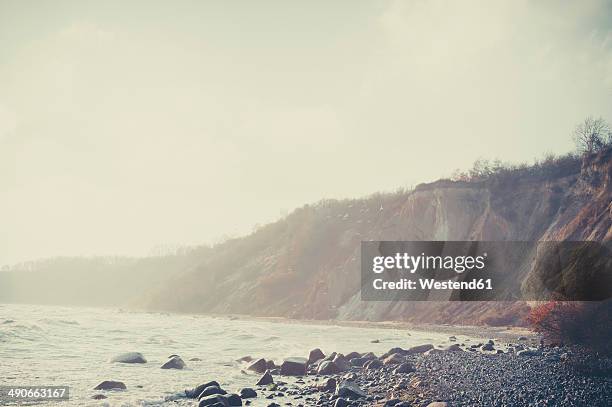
x=130, y=124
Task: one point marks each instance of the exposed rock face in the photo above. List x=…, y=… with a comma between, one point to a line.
x=307, y=264
x=130, y=357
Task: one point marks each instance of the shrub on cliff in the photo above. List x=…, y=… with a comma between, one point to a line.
x=586, y=324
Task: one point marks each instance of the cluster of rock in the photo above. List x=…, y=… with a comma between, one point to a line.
x=399, y=378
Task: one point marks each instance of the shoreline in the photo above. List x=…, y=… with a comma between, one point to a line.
x=510, y=374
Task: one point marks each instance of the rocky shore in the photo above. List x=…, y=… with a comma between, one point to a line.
x=462, y=374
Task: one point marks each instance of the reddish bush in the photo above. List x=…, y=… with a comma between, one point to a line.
x=587, y=324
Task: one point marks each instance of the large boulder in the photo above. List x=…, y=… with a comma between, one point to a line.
x=373, y=364
x=315, y=355
x=216, y=400
x=328, y=386
x=129, y=357
x=353, y=355
x=233, y=400
x=247, y=393
x=259, y=366
x=195, y=392
x=110, y=385
x=294, y=367
x=394, y=359
x=488, y=347
x=341, y=362
x=265, y=379
x=404, y=368
x=359, y=362
x=393, y=351
x=327, y=367
x=174, y=363
x=210, y=390
x=419, y=349
x=350, y=390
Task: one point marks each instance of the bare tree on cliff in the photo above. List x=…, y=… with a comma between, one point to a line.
x=592, y=135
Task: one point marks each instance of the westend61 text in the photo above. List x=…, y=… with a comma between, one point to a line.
x=432, y=284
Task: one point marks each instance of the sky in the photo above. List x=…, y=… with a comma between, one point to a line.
x=131, y=125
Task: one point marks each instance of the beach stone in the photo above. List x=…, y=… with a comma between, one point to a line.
x=214, y=400
x=487, y=347
x=248, y=393
x=270, y=365
x=194, y=393
x=455, y=347
x=259, y=366
x=195, y=360
x=129, y=357
x=341, y=403
x=350, y=390
x=174, y=363
x=233, y=400
x=327, y=367
x=393, y=351
x=394, y=359
x=245, y=359
x=98, y=397
x=110, y=385
x=419, y=349
x=369, y=355
x=329, y=385
x=265, y=379
x=373, y=364
x=529, y=352
x=210, y=390
x=315, y=355
x=359, y=362
x=438, y=404
x=404, y=368
x=294, y=367
x=352, y=355
x=341, y=362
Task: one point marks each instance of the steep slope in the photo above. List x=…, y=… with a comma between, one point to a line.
x=307, y=265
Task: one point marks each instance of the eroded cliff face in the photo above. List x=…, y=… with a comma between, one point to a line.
x=307, y=265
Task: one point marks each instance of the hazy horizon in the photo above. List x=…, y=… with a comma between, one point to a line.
x=130, y=125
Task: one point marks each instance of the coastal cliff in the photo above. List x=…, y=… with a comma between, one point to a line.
x=307, y=264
